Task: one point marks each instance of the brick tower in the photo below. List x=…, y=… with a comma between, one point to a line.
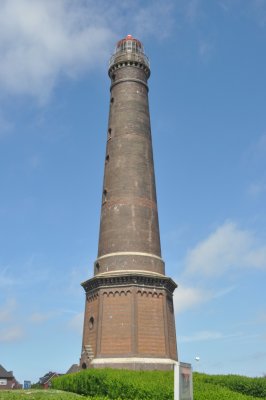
x=129, y=317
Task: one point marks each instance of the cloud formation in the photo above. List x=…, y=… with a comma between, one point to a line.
x=41, y=41
x=11, y=334
x=189, y=297
x=38, y=317
x=10, y=331
x=186, y=298
x=256, y=189
x=207, y=335
x=227, y=248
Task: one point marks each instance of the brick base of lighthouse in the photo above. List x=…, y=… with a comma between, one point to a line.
x=129, y=322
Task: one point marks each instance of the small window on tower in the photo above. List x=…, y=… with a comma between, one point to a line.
x=113, y=77
x=97, y=267
x=104, y=195
x=112, y=100
x=109, y=133
x=107, y=158
x=91, y=322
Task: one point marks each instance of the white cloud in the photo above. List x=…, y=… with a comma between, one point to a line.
x=42, y=40
x=186, y=298
x=11, y=334
x=255, y=189
x=223, y=292
x=189, y=297
x=10, y=331
x=76, y=323
x=204, y=48
x=38, y=317
x=7, y=310
x=226, y=248
x=5, y=278
x=207, y=335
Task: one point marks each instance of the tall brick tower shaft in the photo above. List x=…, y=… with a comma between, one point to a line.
x=129, y=317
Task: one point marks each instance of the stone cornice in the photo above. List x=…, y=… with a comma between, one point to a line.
x=130, y=279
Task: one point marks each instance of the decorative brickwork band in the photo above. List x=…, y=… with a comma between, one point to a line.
x=161, y=282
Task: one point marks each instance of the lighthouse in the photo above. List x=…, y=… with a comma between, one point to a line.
x=129, y=314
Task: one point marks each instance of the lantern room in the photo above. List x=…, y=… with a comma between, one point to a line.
x=129, y=44
x=129, y=49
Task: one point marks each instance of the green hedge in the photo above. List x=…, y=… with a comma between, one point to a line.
x=208, y=391
x=255, y=387
x=159, y=385
x=119, y=384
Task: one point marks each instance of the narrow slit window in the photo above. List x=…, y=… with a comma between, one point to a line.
x=91, y=322
x=104, y=195
x=109, y=133
x=97, y=267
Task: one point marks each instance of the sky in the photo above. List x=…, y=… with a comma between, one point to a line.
x=207, y=103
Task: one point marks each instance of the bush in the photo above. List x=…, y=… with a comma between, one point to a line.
x=158, y=385
x=255, y=387
x=119, y=384
x=208, y=391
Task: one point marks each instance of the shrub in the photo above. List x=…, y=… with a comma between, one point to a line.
x=255, y=387
x=158, y=385
x=122, y=384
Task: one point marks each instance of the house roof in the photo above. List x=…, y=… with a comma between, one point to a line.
x=4, y=373
x=74, y=368
x=47, y=377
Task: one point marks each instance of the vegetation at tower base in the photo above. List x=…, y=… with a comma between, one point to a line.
x=255, y=387
x=158, y=385
x=43, y=394
x=144, y=385
x=231, y=387
x=119, y=384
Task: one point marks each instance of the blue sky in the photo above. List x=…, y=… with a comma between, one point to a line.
x=207, y=103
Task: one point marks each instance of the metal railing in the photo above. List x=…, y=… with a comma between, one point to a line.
x=129, y=56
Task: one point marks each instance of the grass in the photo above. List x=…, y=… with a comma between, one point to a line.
x=39, y=394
